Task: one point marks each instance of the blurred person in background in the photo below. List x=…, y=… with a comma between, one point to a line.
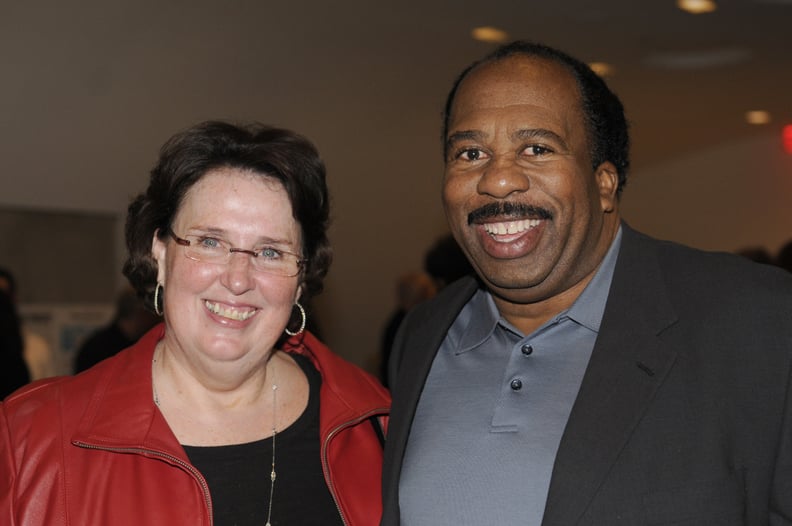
x=757, y=255
x=411, y=289
x=131, y=320
x=38, y=354
x=446, y=262
x=13, y=369
x=784, y=257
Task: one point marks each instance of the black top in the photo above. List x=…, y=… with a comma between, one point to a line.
x=239, y=475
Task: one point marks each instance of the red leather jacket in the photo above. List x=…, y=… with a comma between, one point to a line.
x=93, y=449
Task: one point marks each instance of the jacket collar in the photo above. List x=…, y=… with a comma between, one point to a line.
x=121, y=412
x=347, y=393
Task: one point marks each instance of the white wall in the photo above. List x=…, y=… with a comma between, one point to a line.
x=729, y=197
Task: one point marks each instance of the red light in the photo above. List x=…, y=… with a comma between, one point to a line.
x=786, y=138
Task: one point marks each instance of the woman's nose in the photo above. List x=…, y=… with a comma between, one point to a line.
x=238, y=275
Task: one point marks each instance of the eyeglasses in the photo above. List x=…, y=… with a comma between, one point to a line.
x=209, y=249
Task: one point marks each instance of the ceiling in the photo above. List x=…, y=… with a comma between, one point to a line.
x=91, y=89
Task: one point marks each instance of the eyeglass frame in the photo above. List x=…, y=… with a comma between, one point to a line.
x=231, y=250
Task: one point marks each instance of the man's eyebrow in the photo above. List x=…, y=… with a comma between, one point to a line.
x=459, y=136
x=540, y=133
x=465, y=135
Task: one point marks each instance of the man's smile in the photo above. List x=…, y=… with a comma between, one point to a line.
x=511, y=227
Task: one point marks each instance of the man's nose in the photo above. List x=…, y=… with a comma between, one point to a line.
x=501, y=177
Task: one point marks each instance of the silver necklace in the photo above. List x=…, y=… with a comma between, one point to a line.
x=273, y=475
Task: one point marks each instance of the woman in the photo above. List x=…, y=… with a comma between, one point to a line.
x=229, y=412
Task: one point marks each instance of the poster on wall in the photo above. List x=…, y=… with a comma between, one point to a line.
x=63, y=328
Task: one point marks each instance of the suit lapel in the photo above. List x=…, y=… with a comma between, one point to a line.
x=415, y=350
x=628, y=364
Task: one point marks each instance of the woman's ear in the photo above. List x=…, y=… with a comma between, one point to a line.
x=298, y=293
x=158, y=253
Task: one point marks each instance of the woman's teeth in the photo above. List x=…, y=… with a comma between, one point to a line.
x=233, y=314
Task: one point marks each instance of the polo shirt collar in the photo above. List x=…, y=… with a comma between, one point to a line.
x=480, y=317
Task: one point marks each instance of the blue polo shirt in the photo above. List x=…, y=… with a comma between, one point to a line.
x=487, y=428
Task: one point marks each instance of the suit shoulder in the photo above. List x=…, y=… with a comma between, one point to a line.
x=718, y=276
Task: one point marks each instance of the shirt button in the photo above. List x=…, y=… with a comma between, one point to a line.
x=516, y=384
x=526, y=350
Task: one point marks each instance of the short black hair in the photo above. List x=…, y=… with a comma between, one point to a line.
x=608, y=133
x=784, y=258
x=446, y=262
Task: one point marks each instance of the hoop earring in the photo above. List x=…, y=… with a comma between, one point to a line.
x=302, y=325
x=157, y=309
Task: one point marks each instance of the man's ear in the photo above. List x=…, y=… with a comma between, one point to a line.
x=607, y=178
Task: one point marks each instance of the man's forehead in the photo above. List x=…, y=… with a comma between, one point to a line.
x=519, y=77
x=505, y=88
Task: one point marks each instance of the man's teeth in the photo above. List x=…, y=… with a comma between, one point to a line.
x=233, y=314
x=511, y=227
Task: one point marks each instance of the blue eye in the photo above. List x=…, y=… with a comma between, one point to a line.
x=270, y=253
x=209, y=242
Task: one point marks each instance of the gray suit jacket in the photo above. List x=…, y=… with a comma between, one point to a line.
x=684, y=415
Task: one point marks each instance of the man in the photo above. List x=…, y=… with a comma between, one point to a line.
x=591, y=375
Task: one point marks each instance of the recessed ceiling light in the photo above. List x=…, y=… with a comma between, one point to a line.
x=603, y=69
x=757, y=117
x=697, y=6
x=490, y=34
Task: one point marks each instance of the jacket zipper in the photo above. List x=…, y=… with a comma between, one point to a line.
x=325, y=463
x=170, y=458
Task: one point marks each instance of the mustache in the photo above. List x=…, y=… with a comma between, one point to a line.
x=507, y=209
